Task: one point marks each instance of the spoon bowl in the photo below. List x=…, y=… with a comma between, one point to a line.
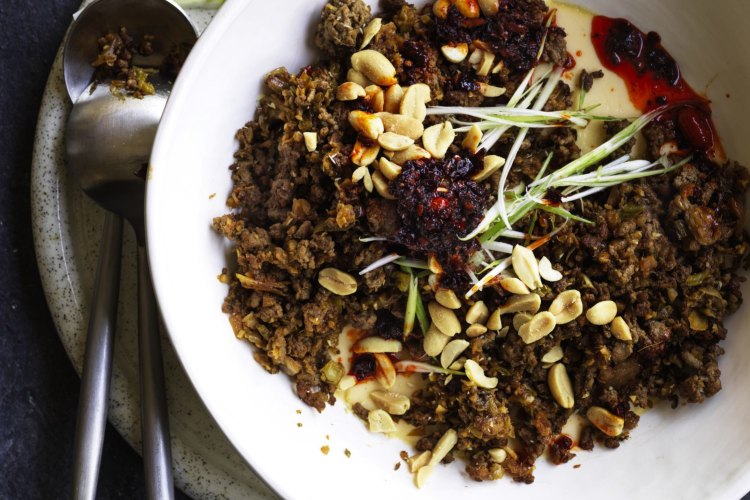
x=109, y=141
x=141, y=17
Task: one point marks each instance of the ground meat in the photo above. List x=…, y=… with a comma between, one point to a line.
x=514, y=34
x=559, y=450
x=586, y=81
x=613, y=127
x=341, y=23
x=114, y=63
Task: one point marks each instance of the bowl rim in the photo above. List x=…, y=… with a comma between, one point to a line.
x=211, y=36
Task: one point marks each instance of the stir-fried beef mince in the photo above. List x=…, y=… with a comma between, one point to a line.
x=665, y=249
x=115, y=63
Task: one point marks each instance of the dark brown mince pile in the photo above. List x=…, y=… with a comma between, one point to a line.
x=659, y=263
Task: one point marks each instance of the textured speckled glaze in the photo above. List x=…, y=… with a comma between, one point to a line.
x=66, y=228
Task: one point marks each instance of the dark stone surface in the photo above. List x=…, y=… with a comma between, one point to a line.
x=38, y=386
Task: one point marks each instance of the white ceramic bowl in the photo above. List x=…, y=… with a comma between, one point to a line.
x=700, y=451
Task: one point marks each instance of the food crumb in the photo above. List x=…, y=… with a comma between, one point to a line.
x=325, y=449
x=298, y=412
x=404, y=455
x=347, y=453
x=299, y=424
x=328, y=438
x=397, y=466
x=212, y=196
x=577, y=466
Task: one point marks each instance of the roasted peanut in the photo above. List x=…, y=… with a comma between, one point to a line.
x=375, y=66
x=455, y=53
x=392, y=402
x=349, y=91
x=337, y=282
x=477, y=313
x=560, y=386
x=444, y=319
x=452, y=351
x=605, y=421
x=620, y=329
x=602, y=313
x=372, y=29
x=547, y=271
x=447, y=298
x=539, y=326
x=567, y=306
x=475, y=374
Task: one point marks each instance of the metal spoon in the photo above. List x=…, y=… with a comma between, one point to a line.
x=108, y=140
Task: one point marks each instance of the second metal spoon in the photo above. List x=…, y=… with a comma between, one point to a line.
x=108, y=140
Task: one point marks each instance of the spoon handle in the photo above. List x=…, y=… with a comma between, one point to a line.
x=157, y=454
x=97, y=364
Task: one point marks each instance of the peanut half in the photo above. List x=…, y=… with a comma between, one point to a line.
x=385, y=372
x=444, y=319
x=567, y=306
x=394, y=142
x=620, y=329
x=475, y=374
x=607, y=422
x=489, y=7
x=560, y=386
x=447, y=298
x=349, y=91
x=602, y=313
x=374, y=66
x=434, y=341
x=438, y=138
x=389, y=169
x=372, y=29
x=455, y=53
x=337, y=282
x=376, y=345
x=452, y=351
x=547, y=271
x=475, y=330
x=380, y=421
x=392, y=402
x=393, y=96
x=514, y=285
x=539, y=326
x=471, y=140
x=490, y=165
x=477, y=313
x=381, y=186
x=522, y=303
x=367, y=124
x=526, y=266
x=401, y=124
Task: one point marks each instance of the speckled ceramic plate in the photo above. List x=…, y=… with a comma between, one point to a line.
x=66, y=235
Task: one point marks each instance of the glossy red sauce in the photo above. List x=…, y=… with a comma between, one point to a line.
x=653, y=79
